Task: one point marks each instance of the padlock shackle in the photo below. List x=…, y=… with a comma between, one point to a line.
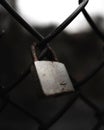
x=33, y=50
x=51, y=55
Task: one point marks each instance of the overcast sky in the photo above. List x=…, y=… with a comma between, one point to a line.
x=45, y=12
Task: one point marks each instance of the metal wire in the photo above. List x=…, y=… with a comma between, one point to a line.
x=43, y=43
x=92, y=24
x=21, y=109
x=34, y=32
x=62, y=26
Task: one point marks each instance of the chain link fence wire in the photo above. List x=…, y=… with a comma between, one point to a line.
x=43, y=44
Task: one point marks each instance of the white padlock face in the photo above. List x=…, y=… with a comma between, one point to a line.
x=53, y=77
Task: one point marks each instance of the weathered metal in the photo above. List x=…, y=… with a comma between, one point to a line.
x=53, y=77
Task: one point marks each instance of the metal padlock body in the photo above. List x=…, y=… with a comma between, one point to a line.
x=53, y=77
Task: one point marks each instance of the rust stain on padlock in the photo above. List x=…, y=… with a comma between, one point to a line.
x=63, y=83
x=53, y=77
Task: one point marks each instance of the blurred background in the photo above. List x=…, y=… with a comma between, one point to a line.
x=78, y=47
x=55, y=12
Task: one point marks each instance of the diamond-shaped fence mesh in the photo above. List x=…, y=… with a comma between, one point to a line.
x=33, y=114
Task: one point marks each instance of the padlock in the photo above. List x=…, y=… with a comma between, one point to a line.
x=52, y=76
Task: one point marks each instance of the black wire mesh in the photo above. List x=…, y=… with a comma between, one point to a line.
x=43, y=44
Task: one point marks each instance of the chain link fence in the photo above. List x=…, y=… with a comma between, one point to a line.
x=43, y=45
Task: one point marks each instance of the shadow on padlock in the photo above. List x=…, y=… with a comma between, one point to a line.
x=51, y=77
